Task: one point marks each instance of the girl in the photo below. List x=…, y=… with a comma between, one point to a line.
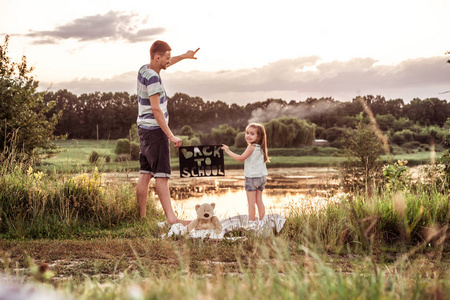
x=255, y=171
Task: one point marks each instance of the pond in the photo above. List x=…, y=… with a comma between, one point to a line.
x=303, y=188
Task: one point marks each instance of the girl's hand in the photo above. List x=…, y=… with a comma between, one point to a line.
x=225, y=148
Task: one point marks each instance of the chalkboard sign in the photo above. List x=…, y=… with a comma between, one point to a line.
x=201, y=161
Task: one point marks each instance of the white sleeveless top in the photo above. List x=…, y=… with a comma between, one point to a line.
x=254, y=165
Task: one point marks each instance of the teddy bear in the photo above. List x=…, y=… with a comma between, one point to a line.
x=205, y=219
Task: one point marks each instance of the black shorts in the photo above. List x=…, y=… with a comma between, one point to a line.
x=154, y=157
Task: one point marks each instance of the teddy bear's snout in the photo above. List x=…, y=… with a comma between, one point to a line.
x=206, y=215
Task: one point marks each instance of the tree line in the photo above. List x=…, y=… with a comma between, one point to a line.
x=111, y=115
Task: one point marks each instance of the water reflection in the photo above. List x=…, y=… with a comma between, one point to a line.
x=297, y=188
x=234, y=202
x=305, y=189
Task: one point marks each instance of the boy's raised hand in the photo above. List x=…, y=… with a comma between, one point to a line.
x=191, y=54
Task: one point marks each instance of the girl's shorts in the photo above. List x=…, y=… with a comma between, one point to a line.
x=255, y=183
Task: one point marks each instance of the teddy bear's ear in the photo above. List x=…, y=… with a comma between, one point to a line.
x=197, y=206
x=213, y=205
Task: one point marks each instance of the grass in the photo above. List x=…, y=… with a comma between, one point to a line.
x=74, y=158
x=196, y=269
x=392, y=244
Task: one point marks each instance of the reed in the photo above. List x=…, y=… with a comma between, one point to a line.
x=50, y=205
x=278, y=271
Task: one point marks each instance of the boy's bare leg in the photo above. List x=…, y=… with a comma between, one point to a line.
x=162, y=189
x=142, y=193
x=260, y=204
x=251, y=198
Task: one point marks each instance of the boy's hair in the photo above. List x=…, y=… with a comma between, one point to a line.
x=261, y=132
x=160, y=48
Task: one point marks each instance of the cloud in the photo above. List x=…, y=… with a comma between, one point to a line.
x=112, y=26
x=326, y=77
x=125, y=82
x=297, y=79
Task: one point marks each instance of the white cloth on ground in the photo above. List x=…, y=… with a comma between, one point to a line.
x=262, y=228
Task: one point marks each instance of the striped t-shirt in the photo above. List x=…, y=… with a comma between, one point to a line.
x=148, y=84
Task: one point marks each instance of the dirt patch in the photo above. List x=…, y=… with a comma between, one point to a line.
x=111, y=258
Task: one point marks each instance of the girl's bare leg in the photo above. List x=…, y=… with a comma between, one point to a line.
x=260, y=204
x=251, y=199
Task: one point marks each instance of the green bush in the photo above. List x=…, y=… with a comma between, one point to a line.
x=333, y=134
x=398, y=139
x=135, y=150
x=93, y=158
x=240, y=141
x=187, y=130
x=411, y=145
x=124, y=146
x=423, y=138
x=224, y=134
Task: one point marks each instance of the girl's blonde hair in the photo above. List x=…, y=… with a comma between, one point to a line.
x=261, y=132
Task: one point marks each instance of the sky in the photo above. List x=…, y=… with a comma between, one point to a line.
x=249, y=50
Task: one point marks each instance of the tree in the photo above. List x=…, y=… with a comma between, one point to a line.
x=25, y=128
x=289, y=132
x=363, y=150
x=224, y=134
x=385, y=121
x=187, y=130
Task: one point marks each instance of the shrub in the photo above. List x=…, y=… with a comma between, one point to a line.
x=398, y=139
x=240, y=141
x=124, y=146
x=363, y=150
x=396, y=174
x=135, y=150
x=187, y=130
x=444, y=163
x=224, y=134
x=423, y=138
x=122, y=157
x=93, y=158
x=411, y=145
x=333, y=134
x=83, y=192
x=35, y=205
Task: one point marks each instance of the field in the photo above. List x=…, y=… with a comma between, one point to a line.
x=75, y=154
x=75, y=235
